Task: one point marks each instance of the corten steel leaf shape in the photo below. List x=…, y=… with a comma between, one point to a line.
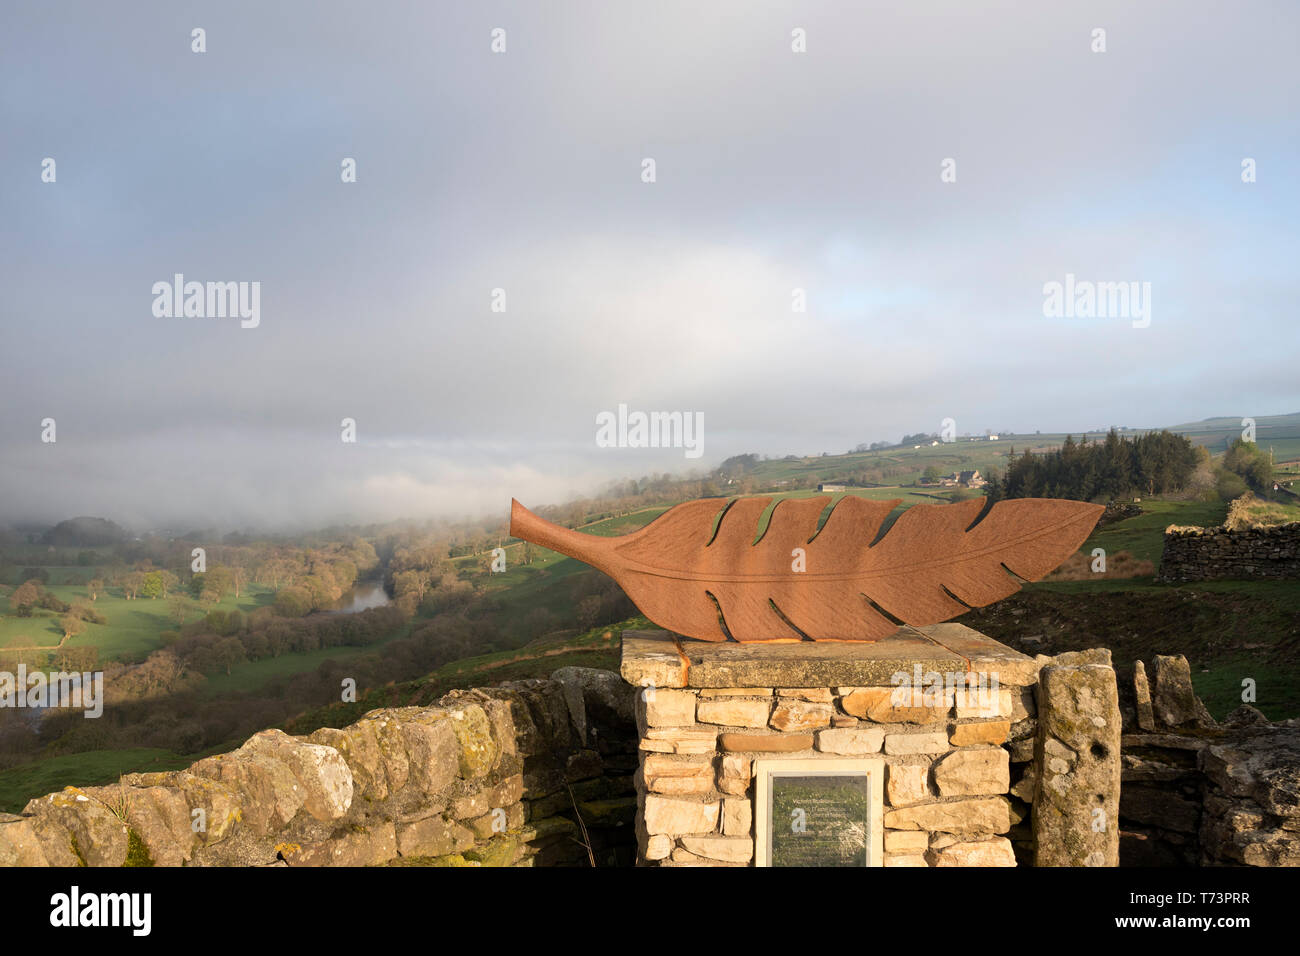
x=933, y=564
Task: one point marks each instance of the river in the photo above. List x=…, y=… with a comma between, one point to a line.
x=362, y=597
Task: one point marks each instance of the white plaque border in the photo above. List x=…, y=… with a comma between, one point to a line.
x=765, y=768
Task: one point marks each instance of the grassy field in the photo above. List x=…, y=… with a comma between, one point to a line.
x=251, y=675
x=1257, y=513
x=60, y=574
x=600, y=647
x=1144, y=535
x=1281, y=433
x=20, y=784
x=960, y=455
x=1228, y=630
x=133, y=627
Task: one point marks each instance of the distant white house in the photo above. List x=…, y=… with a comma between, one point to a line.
x=831, y=488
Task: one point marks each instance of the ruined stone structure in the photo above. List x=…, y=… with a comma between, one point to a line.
x=1202, y=554
x=1199, y=793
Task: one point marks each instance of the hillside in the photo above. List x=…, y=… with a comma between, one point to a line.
x=903, y=465
x=526, y=621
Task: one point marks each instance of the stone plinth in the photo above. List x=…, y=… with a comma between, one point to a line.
x=935, y=704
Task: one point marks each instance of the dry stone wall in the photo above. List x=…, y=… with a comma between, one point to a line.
x=532, y=773
x=527, y=773
x=1199, y=793
x=1201, y=554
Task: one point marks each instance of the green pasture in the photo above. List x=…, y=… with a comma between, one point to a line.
x=1144, y=536
x=133, y=627
x=87, y=769
x=252, y=675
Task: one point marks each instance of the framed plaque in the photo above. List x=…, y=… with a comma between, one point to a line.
x=821, y=812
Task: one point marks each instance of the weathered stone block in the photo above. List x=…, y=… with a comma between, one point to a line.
x=674, y=815
x=974, y=815
x=983, y=702
x=971, y=772
x=1078, y=752
x=22, y=845
x=734, y=712
x=985, y=732
x=658, y=846
x=724, y=848
x=737, y=817
x=677, y=775
x=850, y=740
x=906, y=841
x=906, y=784
x=994, y=852
x=433, y=750
x=793, y=715
x=1146, y=719
x=1173, y=700
x=923, y=743
x=86, y=827
x=821, y=695
x=878, y=704
x=765, y=743
x=680, y=740
x=734, y=773
x=433, y=836
x=668, y=708
x=487, y=799
x=478, y=751
x=368, y=847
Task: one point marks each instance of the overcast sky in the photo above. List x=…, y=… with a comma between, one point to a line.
x=522, y=170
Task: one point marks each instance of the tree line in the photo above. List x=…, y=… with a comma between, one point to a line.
x=1151, y=464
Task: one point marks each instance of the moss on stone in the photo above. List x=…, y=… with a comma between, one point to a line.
x=549, y=827
x=137, y=853
x=498, y=851
x=478, y=752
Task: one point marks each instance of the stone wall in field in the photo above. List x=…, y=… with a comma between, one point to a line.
x=1201, y=554
x=1199, y=793
x=535, y=772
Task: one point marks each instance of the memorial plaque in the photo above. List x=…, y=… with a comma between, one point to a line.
x=819, y=812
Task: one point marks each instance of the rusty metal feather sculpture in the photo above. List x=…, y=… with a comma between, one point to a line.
x=707, y=577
